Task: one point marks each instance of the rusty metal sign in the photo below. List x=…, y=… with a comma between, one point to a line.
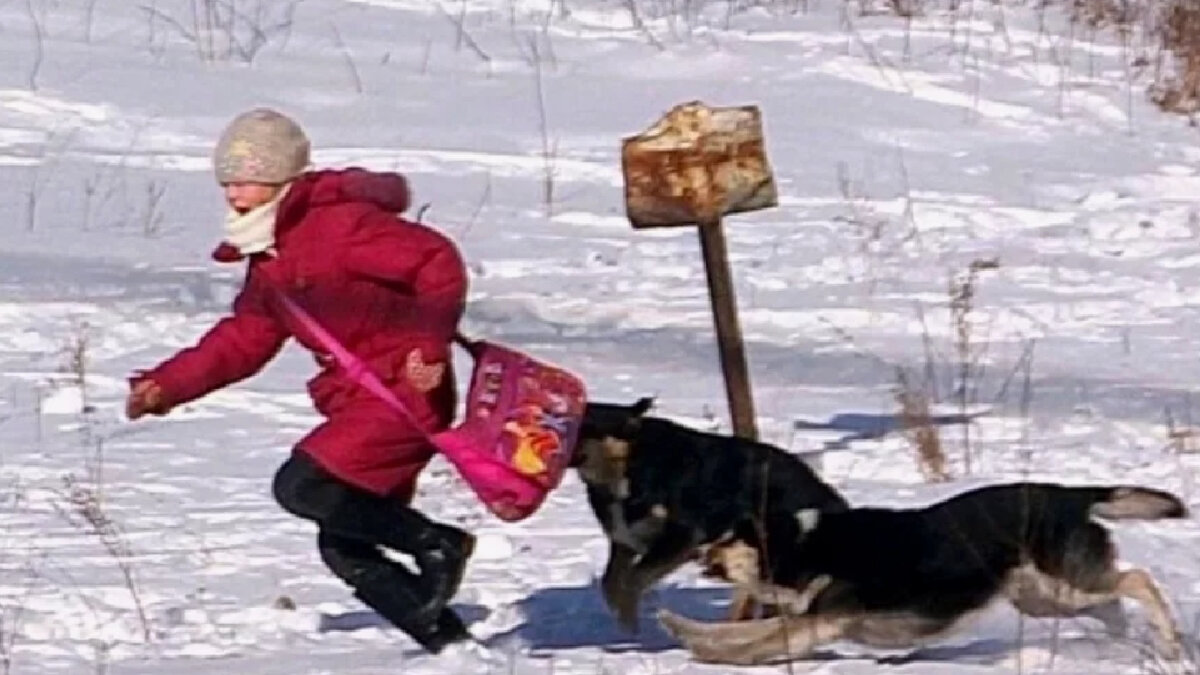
x=695, y=165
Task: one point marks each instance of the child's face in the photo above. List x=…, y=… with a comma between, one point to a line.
x=243, y=197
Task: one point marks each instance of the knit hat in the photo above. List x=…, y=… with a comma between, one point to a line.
x=261, y=146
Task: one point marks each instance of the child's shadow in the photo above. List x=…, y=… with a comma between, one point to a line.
x=360, y=619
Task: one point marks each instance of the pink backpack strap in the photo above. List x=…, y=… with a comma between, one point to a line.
x=473, y=347
x=353, y=366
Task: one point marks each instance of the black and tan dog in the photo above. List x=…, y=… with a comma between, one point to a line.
x=662, y=492
x=899, y=578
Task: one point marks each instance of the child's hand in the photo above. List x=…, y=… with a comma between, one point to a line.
x=145, y=396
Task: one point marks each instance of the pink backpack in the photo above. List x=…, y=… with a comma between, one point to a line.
x=521, y=424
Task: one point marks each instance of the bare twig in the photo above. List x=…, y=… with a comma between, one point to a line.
x=549, y=146
x=463, y=37
x=152, y=217
x=89, y=20
x=87, y=512
x=348, y=58
x=219, y=30
x=12, y=614
x=484, y=200
x=39, y=48
x=635, y=15
x=75, y=363
x=962, y=301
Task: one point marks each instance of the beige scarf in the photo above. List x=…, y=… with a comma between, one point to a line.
x=254, y=231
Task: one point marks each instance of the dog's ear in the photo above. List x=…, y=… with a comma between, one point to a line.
x=633, y=423
x=643, y=406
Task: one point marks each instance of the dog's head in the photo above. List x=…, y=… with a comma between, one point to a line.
x=730, y=559
x=614, y=420
x=606, y=439
x=607, y=422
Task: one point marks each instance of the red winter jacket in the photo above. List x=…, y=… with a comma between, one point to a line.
x=390, y=290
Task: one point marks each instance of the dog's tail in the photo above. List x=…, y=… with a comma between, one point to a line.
x=1136, y=503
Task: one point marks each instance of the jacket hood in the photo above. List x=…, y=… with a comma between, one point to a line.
x=388, y=191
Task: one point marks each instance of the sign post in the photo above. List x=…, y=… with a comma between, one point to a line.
x=691, y=168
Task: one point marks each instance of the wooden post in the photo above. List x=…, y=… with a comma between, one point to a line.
x=728, y=329
x=692, y=167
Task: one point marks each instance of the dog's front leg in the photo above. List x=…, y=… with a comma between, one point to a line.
x=617, y=573
x=671, y=549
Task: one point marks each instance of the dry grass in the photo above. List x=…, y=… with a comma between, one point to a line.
x=1182, y=434
x=75, y=363
x=1119, y=14
x=916, y=422
x=86, y=511
x=1178, y=30
x=961, y=291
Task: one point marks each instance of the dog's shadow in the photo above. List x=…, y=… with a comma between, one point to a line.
x=984, y=652
x=981, y=652
x=871, y=426
x=568, y=617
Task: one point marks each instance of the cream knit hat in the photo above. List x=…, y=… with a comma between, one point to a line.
x=261, y=146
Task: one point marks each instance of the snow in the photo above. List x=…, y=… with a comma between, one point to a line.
x=903, y=152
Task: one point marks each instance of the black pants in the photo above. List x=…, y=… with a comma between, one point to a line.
x=352, y=526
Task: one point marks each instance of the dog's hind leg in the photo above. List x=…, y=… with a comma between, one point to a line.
x=1038, y=594
x=1137, y=584
x=753, y=642
x=1091, y=572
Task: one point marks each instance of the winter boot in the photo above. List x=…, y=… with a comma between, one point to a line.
x=448, y=629
x=441, y=552
x=397, y=604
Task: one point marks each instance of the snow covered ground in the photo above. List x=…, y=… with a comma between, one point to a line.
x=902, y=152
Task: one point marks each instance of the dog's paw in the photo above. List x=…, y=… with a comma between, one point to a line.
x=623, y=608
x=674, y=624
x=622, y=601
x=1171, y=648
x=610, y=588
x=627, y=614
